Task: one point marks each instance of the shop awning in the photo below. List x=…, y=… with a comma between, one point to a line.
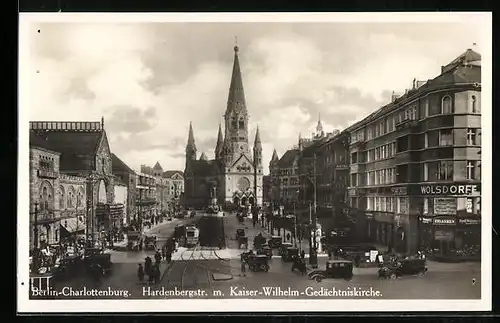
x=73, y=225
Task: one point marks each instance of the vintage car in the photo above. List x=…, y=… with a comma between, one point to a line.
x=258, y=263
x=103, y=260
x=242, y=242
x=265, y=250
x=290, y=254
x=403, y=267
x=150, y=243
x=300, y=265
x=274, y=242
x=334, y=269
x=239, y=233
x=245, y=256
x=282, y=248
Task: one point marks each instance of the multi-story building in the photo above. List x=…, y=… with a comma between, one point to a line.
x=266, y=190
x=146, y=197
x=333, y=167
x=274, y=174
x=174, y=184
x=289, y=181
x=415, y=163
x=124, y=174
x=72, y=164
x=162, y=187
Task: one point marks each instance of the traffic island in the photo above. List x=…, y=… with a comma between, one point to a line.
x=221, y=277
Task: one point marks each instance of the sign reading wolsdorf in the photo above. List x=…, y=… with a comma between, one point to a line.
x=449, y=189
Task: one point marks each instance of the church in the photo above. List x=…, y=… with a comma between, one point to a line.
x=234, y=177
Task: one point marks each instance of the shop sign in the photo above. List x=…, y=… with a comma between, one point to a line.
x=398, y=191
x=469, y=221
x=450, y=189
x=425, y=220
x=369, y=216
x=341, y=166
x=444, y=221
x=445, y=206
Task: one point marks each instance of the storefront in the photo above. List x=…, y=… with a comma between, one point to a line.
x=384, y=222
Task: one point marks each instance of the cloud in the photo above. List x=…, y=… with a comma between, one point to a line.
x=149, y=81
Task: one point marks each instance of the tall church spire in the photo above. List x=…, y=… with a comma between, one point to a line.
x=220, y=144
x=191, y=145
x=319, y=127
x=257, y=151
x=236, y=98
x=257, y=138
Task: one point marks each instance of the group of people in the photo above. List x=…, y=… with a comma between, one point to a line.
x=150, y=269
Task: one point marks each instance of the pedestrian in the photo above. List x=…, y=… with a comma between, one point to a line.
x=243, y=269
x=357, y=260
x=303, y=254
x=140, y=273
x=157, y=257
x=288, y=236
x=156, y=273
x=148, y=269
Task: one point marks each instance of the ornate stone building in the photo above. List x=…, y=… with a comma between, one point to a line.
x=235, y=175
x=76, y=168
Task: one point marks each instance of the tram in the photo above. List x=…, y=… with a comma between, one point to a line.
x=192, y=236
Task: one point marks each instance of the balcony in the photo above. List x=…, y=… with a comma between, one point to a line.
x=145, y=201
x=45, y=173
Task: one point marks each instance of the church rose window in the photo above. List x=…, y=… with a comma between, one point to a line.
x=243, y=184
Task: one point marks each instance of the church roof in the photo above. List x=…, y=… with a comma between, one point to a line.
x=236, y=98
x=75, y=143
x=203, y=156
x=257, y=137
x=157, y=166
x=286, y=161
x=170, y=173
x=203, y=168
x=118, y=165
x=191, y=143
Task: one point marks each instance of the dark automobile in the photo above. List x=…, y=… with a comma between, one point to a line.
x=101, y=259
x=403, y=267
x=259, y=240
x=290, y=254
x=334, y=269
x=274, y=242
x=150, y=243
x=300, y=265
x=282, y=248
x=258, y=263
x=265, y=250
x=246, y=256
x=179, y=231
x=240, y=233
x=242, y=242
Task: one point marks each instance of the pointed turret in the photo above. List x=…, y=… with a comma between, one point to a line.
x=203, y=157
x=274, y=158
x=157, y=166
x=319, y=127
x=219, y=148
x=257, y=149
x=236, y=98
x=191, y=145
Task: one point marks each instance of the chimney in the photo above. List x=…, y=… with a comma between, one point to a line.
x=414, y=84
x=442, y=69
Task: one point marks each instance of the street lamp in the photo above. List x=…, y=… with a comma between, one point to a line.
x=35, y=242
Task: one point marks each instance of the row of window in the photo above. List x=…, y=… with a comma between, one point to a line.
x=411, y=113
x=443, y=170
x=400, y=204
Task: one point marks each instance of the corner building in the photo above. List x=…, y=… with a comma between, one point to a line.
x=415, y=164
x=235, y=175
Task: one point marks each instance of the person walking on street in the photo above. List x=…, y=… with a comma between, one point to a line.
x=156, y=273
x=243, y=269
x=157, y=257
x=148, y=269
x=288, y=236
x=303, y=254
x=140, y=273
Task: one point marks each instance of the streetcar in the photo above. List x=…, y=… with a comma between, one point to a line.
x=192, y=235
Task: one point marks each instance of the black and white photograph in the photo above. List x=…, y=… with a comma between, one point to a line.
x=253, y=162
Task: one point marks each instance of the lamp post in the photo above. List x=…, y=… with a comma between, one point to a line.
x=35, y=242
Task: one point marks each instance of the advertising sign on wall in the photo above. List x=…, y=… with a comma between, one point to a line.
x=445, y=206
x=444, y=220
x=450, y=189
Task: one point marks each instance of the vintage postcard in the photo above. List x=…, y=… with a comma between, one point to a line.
x=254, y=162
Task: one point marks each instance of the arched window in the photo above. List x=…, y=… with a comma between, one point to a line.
x=79, y=202
x=62, y=204
x=474, y=104
x=234, y=123
x=45, y=197
x=241, y=123
x=446, y=105
x=71, y=198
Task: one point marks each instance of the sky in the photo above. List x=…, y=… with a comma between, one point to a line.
x=150, y=80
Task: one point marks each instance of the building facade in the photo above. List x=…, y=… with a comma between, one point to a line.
x=234, y=177
x=146, y=203
x=121, y=198
x=174, y=183
x=79, y=183
x=125, y=175
x=415, y=164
